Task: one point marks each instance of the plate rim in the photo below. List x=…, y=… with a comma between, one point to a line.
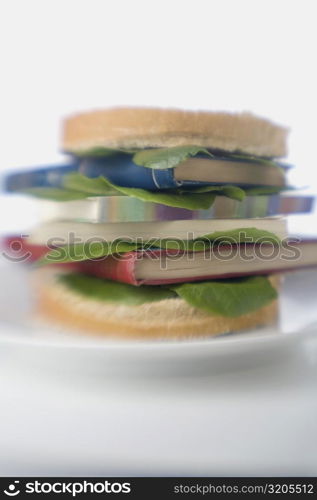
x=81, y=341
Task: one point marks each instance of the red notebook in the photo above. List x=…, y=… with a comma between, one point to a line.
x=158, y=267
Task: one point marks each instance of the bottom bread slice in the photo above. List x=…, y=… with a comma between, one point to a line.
x=169, y=318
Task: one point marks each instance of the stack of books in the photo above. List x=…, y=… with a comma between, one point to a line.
x=198, y=213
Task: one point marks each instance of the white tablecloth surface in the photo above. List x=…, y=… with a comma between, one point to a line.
x=243, y=416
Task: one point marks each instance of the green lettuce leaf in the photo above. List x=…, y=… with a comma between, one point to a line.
x=100, y=152
x=90, y=187
x=233, y=192
x=190, y=201
x=163, y=158
x=201, y=198
x=232, y=237
x=98, y=250
x=230, y=298
x=112, y=291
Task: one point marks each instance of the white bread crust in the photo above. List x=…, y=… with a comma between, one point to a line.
x=138, y=128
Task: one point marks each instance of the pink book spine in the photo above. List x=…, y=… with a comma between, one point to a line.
x=112, y=268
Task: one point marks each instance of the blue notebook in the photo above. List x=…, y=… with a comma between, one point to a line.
x=121, y=170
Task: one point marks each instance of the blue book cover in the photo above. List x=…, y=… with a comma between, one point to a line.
x=118, y=169
x=121, y=170
x=51, y=176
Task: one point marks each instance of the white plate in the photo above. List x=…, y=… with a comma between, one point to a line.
x=298, y=319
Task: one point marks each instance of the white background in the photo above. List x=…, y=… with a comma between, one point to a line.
x=58, y=57
x=247, y=415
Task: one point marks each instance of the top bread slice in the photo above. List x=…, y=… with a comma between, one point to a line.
x=138, y=128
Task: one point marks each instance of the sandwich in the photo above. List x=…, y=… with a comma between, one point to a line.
x=166, y=254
